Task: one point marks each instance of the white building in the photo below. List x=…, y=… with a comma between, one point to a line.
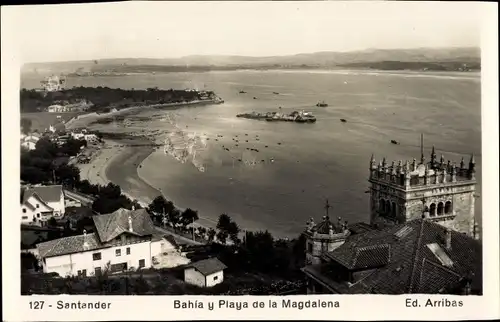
x=205, y=273
x=29, y=141
x=56, y=108
x=123, y=240
x=40, y=203
x=77, y=135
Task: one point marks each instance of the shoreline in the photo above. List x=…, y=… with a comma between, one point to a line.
x=84, y=118
x=119, y=165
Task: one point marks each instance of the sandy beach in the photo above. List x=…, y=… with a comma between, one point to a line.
x=118, y=161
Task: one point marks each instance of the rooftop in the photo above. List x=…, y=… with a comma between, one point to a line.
x=46, y=193
x=208, y=266
x=108, y=227
x=407, y=258
x=112, y=225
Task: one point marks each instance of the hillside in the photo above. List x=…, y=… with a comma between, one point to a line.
x=470, y=56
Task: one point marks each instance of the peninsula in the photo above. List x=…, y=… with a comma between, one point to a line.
x=295, y=116
x=104, y=99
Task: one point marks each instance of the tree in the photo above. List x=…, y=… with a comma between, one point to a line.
x=188, y=216
x=68, y=175
x=224, y=222
x=26, y=125
x=45, y=147
x=211, y=234
x=222, y=236
x=229, y=227
x=174, y=217
x=160, y=206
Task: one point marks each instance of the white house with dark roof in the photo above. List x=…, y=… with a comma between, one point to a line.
x=205, y=273
x=40, y=203
x=123, y=240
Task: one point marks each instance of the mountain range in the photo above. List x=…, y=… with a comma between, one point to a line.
x=327, y=59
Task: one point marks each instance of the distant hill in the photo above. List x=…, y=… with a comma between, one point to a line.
x=461, y=55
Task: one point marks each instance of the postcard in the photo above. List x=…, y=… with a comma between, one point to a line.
x=250, y=160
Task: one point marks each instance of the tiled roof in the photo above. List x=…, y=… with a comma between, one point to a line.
x=47, y=193
x=37, y=197
x=208, y=266
x=405, y=264
x=68, y=245
x=112, y=225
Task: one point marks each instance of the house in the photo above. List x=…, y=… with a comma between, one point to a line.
x=77, y=136
x=29, y=141
x=416, y=257
x=91, y=138
x=205, y=273
x=56, y=108
x=40, y=203
x=123, y=240
x=57, y=128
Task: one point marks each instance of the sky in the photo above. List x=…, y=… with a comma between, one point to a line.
x=163, y=30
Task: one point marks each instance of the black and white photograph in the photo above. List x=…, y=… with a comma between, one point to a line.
x=250, y=148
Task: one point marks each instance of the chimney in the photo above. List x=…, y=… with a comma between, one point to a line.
x=448, y=239
x=130, y=228
x=85, y=243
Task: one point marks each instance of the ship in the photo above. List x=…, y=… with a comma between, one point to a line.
x=295, y=116
x=322, y=104
x=276, y=93
x=243, y=92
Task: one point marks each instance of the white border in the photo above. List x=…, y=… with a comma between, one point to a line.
x=363, y=307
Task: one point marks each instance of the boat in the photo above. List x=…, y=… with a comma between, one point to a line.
x=322, y=104
x=295, y=116
x=243, y=92
x=394, y=142
x=254, y=98
x=343, y=120
x=276, y=93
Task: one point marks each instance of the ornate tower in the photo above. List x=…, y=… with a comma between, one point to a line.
x=402, y=192
x=324, y=236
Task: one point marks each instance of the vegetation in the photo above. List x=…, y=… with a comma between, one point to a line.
x=26, y=126
x=104, y=98
x=38, y=166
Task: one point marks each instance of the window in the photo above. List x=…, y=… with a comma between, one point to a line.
x=118, y=252
x=123, y=239
x=38, y=215
x=216, y=278
x=24, y=210
x=433, y=210
x=37, y=205
x=142, y=263
x=440, y=209
x=96, y=256
x=447, y=208
x=128, y=250
x=25, y=217
x=97, y=271
x=310, y=247
x=82, y=273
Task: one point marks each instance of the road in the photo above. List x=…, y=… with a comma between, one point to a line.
x=178, y=238
x=86, y=200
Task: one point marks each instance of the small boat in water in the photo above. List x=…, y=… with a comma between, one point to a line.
x=394, y=142
x=276, y=93
x=243, y=92
x=343, y=120
x=254, y=98
x=322, y=104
